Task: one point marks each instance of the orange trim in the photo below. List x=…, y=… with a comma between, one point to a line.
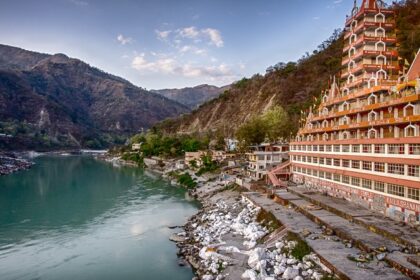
x=403, y=140
x=411, y=161
x=385, y=179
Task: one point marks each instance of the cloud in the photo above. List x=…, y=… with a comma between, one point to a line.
x=124, y=40
x=189, y=32
x=192, y=49
x=316, y=18
x=167, y=65
x=338, y=1
x=210, y=35
x=162, y=35
x=214, y=35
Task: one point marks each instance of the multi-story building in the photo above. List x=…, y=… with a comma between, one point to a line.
x=264, y=157
x=362, y=142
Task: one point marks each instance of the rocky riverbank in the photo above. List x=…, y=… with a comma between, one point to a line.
x=230, y=238
x=9, y=163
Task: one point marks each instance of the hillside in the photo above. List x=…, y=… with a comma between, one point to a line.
x=192, y=97
x=53, y=101
x=290, y=85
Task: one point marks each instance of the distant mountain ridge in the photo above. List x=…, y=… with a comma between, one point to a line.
x=192, y=97
x=53, y=101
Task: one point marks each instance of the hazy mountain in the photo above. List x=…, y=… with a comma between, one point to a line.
x=193, y=97
x=49, y=101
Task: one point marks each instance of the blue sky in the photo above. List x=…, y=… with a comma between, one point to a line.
x=165, y=44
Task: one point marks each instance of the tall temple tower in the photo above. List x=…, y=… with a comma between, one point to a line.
x=362, y=142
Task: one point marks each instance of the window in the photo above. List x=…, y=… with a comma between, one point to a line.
x=345, y=148
x=379, y=166
x=345, y=179
x=355, y=181
x=336, y=148
x=345, y=163
x=355, y=164
x=321, y=174
x=328, y=148
x=303, y=158
x=321, y=148
x=328, y=161
x=328, y=175
x=396, y=189
x=260, y=157
x=414, y=149
x=309, y=159
x=367, y=148
x=299, y=169
x=309, y=148
x=303, y=148
x=321, y=160
x=396, y=149
x=379, y=149
x=315, y=148
x=355, y=148
x=379, y=186
x=413, y=170
x=367, y=165
x=315, y=160
x=366, y=183
x=337, y=177
x=336, y=162
x=394, y=168
x=413, y=193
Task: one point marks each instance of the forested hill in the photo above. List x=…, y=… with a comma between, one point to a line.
x=291, y=85
x=53, y=101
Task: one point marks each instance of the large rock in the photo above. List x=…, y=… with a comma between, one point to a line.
x=290, y=273
x=256, y=256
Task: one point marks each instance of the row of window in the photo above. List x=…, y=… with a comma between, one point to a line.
x=412, y=149
x=393, y=189
x=390, y=168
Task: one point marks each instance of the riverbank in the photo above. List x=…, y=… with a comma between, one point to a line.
x=10, y=163
x=231, y=238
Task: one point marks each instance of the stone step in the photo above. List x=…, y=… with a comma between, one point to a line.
x=374, y=222
x=363, y=238
x=333, y=254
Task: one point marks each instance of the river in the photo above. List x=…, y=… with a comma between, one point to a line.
x=76, y=217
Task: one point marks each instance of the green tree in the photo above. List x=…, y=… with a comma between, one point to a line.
x=252, y=132
x=277, y=124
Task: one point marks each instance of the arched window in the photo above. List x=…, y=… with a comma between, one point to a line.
x=372, y=133
x=324, y=123
x=373, y=81
x=381, y=74
x=345, y=120
x=352, y=38
x=379, y=32
x=408, y=110
x=353, y=25
x=325, y=98
x=372, y=99
x=372, y=116
x=379, y=46
x=350, y=79
x=345, y=91
x=352, y=51
x=310, y=125
x=345, y=135
x=325, y=136
x=352, y=64
x=410, y=131
x=380, y=17
x=381, y=59
x=325, y=111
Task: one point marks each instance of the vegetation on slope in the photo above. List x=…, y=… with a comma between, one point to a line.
x=292, y=85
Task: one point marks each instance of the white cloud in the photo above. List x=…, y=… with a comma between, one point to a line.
x=192, y=49
x=162, y=35
x=189, y=32
x=316, y=18
x=168, y=65
x=338, y=1
x=214, y=35
x=124, y=40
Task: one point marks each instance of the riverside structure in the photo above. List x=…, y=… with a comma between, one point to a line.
x=362, y=142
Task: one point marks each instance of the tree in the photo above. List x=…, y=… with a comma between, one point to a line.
x=277, y=123
x=252, y=132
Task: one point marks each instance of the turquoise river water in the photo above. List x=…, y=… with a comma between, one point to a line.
x=79, y=218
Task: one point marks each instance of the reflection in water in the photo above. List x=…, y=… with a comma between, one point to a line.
x=76, y=217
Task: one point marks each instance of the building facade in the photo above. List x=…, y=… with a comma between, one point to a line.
x=362, y=142
x=264, y=157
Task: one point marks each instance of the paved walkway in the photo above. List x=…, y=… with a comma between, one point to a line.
x=333, y=253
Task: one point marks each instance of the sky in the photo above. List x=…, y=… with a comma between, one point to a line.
x=159, y=44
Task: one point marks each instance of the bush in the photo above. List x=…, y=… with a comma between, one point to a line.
x=186, y=180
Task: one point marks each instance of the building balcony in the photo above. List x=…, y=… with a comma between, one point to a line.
x=369, y=107
x=389, y=54
x=390, y=68
x=363, y=124
x=388, y=39
x=388, y=25
x=364, y=11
